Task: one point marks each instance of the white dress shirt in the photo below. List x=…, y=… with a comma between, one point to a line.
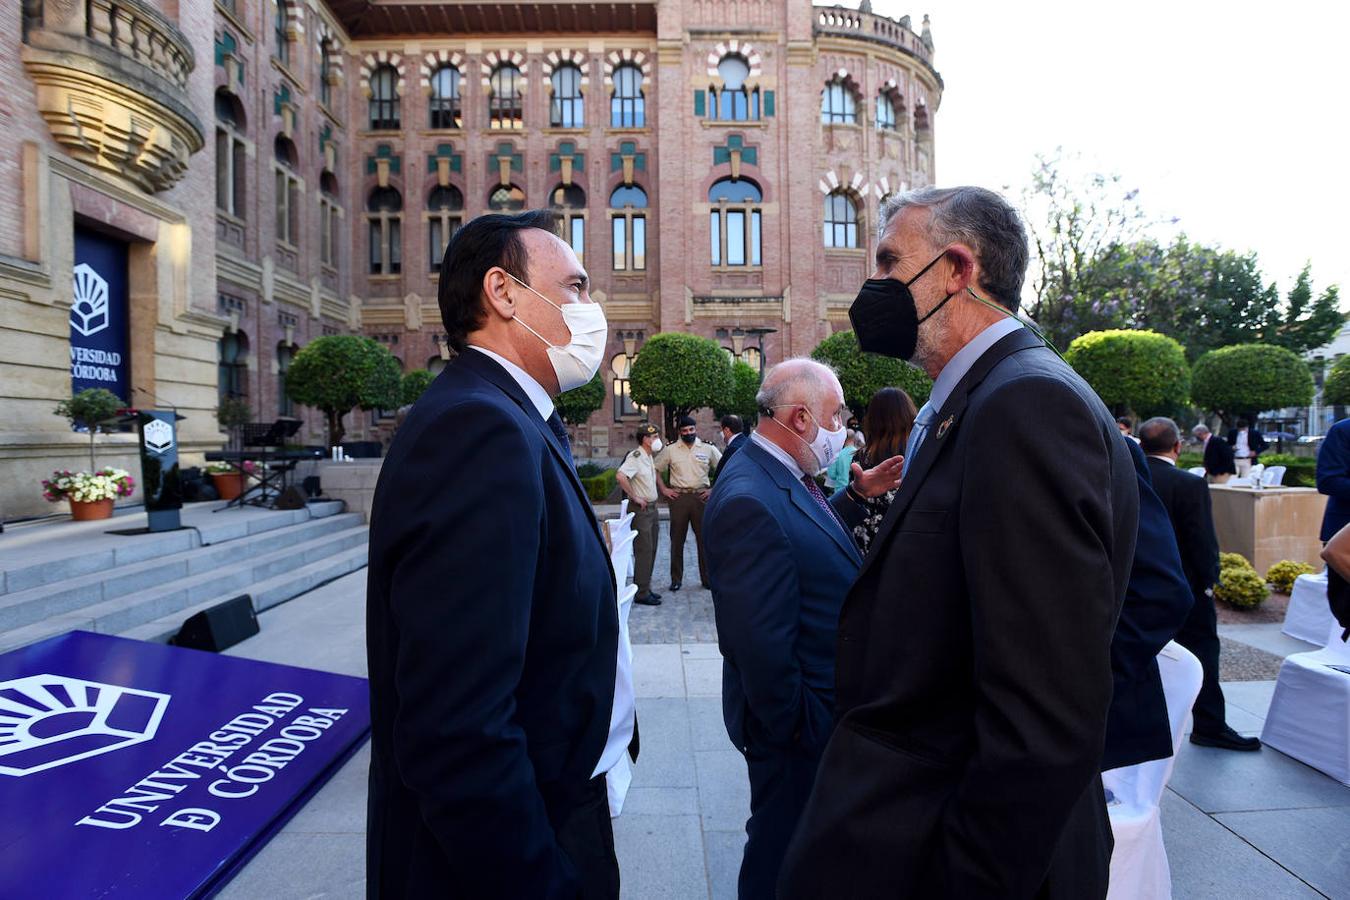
x=1241, y=449
x=533, y=389
x=1167, y=459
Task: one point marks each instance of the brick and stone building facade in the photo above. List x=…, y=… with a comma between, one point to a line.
x=281, y=169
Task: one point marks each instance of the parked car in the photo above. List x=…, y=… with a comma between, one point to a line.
x=1311, y=439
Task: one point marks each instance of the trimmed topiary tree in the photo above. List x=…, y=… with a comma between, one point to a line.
x=575, y=406
x=91, y=408
x=1336, y=386
x=414, y=384
x=339, y=372
x=1246, y=379
x=1140, y=371
x=863, y=374
x=682, y=372
x=745, y=381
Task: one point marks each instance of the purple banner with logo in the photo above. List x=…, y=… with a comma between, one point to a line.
x=130, y=769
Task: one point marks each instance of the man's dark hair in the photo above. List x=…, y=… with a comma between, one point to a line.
x=1159, y=435
x=1125, y=420
x=487, y=241
x=1242, y=423
x=733, y=423
x=686, y=421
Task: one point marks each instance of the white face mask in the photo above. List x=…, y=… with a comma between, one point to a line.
x=825, y=447
x=657, y=445
x=577, y=362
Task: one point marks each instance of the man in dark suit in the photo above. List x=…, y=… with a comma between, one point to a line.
x=733, y=436
x=492, y=655
x=1157, y=602
x=780, y=560
x=1248, y=444
x=974, y=655
x=1186, y=497
x=1219, y=464
x=1333, y=477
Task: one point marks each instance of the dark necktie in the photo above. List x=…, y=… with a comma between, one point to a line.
x=560, y=432
x=819, y=496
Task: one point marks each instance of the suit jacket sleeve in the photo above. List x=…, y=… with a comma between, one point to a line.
x=1333, y=466
x=1195, y=534
x=462, y=611
x=1036, y=528
x=757, y=602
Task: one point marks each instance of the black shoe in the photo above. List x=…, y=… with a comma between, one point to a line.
x=674, y=585
x=1228, y=739
x=649, y=600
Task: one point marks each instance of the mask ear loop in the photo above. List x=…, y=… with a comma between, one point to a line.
x=1012, y=315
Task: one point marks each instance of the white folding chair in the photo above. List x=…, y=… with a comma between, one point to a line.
x=618, y=778
x=1139, y=862
x=1309, y=615
x=1197, y=470
x=1273, y=476
x=623, y=507
x=1235, y=481
x=1309, y=717
x=1256, y=472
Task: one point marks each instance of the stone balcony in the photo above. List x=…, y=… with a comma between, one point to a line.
x=837, y=21
x=112, y=79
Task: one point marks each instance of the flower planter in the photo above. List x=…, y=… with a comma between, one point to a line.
x=228, y=484
x=91, y=510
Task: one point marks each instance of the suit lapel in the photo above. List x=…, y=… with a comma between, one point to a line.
x=802, y=499
x=488, y=369
x=942, y=430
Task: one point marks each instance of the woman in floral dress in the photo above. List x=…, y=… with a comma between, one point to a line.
x=886, y=425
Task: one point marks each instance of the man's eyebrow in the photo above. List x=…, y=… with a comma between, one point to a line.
x=886, y=254
x=577, y=276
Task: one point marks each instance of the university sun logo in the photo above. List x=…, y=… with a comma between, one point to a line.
x=158, y=436
x=51, y=720
x=89, y=312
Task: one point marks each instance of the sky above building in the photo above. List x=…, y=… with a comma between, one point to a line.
x=1230, y=117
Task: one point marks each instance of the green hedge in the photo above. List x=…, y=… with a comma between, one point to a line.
x=599, y=487
x=1299, y=470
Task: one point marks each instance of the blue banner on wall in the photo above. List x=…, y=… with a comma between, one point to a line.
x=100, y=315
x=130, y=769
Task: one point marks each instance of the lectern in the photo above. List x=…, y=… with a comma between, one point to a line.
x=161, y=487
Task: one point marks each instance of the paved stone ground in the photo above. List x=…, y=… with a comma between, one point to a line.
x=1237, y=825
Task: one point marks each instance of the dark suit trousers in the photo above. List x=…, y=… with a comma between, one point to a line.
x=780, y=784
x=586, y=834
x=1200, y=636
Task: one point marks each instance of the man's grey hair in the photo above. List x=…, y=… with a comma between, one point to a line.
x=980, y=219
x=792, y=381
x=1200, y=430
x=1159, y=435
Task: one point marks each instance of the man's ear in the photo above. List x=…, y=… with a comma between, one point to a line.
x=496, y=288
x=961, y=268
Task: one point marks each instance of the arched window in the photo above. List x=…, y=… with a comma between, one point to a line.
x=885, y=113
x=627, y=106
x=445, y=98
x=567, y=108
x=232, y=361
x=628, y=225
x=504, y=103
x=283, y=48
x=384, y=213
x=231, y=154
x=506, y=198
x=436, y=364
x=735, y=222
x=445, y=213
x=288, y=190
x=329, y=215
x=841, y=221
x=384, y=101
x=624, y=407
x=569, y=201
x=285, y=353
x=837, y=104
x=325, y=72
x=734, y=102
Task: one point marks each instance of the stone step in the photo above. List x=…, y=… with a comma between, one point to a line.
x=265, y=595
x=87, y=548
x=62, y=598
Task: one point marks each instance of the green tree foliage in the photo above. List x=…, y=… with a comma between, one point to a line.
x=575, y=406
x=1308, y=324
x=414, y=384
x=745, y=381
x=93, y=409
x=863, y=374
x=338, y=372
x=1336, y=387
x=682, y=372
x=1248, y=378
x=1140, y=371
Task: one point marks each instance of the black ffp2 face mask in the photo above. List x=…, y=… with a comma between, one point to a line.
x=884, y=316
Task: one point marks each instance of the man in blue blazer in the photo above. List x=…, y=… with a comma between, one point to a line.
x=780, y=560
x=1333, y=477
x=492, y=626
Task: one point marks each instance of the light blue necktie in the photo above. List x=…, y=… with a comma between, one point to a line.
x=917, y=434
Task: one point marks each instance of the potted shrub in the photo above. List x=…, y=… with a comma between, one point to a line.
x=233, y=414
x=91, y=494
x=229, y=481
x=92, y=408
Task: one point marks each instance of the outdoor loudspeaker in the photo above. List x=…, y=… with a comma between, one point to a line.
x=219, y=627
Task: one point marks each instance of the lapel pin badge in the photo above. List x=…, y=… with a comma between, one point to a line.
x=946, y=424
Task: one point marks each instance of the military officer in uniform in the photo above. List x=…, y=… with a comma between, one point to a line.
x=637, y=477
x=689, y=463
